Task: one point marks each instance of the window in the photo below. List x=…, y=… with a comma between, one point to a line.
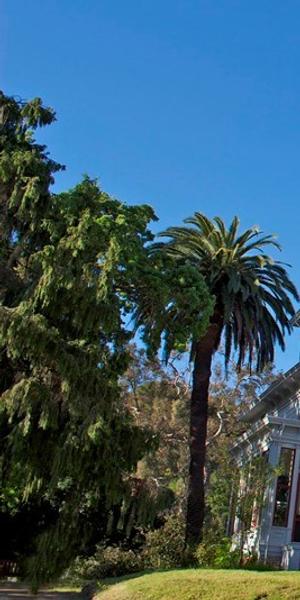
x=296, y=531
x=262, y=475
x=283, y=487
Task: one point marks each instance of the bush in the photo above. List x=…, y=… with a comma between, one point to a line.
x=217, y=555
x=253, y=563
x=107, y=562
x=164, y=547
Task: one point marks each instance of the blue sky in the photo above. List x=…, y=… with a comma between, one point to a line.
x=186, y=105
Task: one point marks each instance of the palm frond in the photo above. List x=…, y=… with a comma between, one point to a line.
x=254, y=293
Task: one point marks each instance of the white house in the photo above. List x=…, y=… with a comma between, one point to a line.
x=274, y=428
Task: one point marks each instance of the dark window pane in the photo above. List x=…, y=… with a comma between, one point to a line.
x=283, y=487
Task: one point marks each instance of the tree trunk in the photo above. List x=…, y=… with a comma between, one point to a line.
x=204, y=350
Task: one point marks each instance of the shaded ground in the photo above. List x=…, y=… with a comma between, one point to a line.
x=16, y=591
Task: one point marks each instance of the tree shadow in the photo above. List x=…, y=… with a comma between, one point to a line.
x=15, y=591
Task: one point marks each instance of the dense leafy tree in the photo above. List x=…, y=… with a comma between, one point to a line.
x=252, y=309
x=68, y=263
x=74, y=267
x=69, y=267
x=158, y=397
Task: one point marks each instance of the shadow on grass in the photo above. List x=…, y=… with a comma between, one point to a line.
x=19, y=591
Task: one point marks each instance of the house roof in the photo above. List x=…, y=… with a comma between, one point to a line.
x=282, y=388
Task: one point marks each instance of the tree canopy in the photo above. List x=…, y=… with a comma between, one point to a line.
x=75, y=272
x=253, y=290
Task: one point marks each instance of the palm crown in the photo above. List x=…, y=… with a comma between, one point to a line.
x=252, y=290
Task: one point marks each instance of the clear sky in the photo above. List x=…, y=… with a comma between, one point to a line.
x=186, y=105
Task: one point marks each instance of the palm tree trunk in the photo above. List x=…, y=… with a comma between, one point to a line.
x=204, y=350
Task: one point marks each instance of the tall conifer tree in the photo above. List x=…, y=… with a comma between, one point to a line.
x=68, y=265
x=73, y=267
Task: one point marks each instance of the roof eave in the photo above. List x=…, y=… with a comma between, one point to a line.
x=285, y=387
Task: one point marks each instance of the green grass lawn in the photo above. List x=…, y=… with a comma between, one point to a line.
x=202, y=584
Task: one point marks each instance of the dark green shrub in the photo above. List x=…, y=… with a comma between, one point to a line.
x=252, y=563
x=218, y=555
x=107, y=562
x=164, y=547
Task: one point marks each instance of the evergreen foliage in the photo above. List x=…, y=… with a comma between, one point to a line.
x=68, y=263
x=74, y=267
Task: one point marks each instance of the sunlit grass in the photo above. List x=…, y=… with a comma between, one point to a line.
x=63, y=588
x=201, y=584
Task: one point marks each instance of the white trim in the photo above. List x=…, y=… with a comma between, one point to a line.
x=282, y=421
x=285, y=440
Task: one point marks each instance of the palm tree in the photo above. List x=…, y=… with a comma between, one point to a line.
x=253, y=311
